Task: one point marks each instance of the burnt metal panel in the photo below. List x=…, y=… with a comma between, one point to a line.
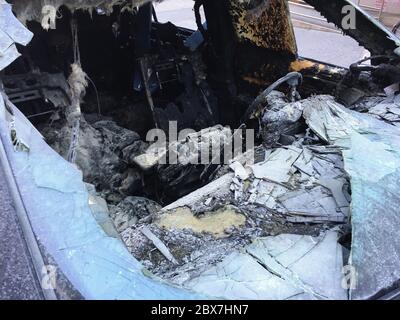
x=266, y=24
x=369, y=33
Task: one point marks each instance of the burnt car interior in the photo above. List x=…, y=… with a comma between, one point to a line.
x=143, y=74
x=94, y=81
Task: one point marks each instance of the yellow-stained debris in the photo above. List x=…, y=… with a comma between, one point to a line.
x=214, y=223
x=300, y=65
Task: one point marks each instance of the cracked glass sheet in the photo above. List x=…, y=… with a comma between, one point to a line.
x=388, y=110
x=265, y=193
x=98, y=207
x=57, y=202
x=383, y=108
x=277, y=166
x=316, y=195
x=316, y=202
x=277, y=268
x=5, y=42
x=8, y=56
x=11, y=32
x=371, y=151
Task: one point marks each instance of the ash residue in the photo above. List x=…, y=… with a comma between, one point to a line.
x=196, y=252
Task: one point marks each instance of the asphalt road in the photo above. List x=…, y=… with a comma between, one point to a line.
x=17, y=276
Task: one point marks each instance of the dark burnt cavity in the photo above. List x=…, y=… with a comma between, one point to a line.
x=191, y=82
x=109, y=49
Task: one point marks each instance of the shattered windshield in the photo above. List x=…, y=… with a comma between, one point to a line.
x=175, y=150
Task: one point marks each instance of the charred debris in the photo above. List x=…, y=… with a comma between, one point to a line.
x=96, y=77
